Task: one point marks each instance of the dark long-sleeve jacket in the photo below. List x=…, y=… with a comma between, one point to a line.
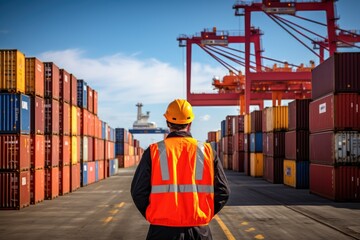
x=141, y=184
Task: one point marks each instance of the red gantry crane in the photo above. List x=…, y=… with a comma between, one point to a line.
x=261, y=83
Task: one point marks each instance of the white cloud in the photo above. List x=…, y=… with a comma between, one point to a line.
x=205, y=117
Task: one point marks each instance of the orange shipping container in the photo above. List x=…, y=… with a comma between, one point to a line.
x=34, y=77
x=74, y=119
x=12, y=70
x=37, y=186
x=37, y=151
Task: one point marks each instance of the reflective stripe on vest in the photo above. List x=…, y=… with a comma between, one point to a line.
x=199, y=170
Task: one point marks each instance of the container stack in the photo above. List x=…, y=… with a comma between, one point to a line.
x=274, y=125
x=227, y=142
x=334, y=128
x=256, y=144
x=15, y=108
x=213, y=137
x=34, y=87
x=296, y=162
x=238, y=154
x=247, y=131
x=110, y=156
x=123, y=148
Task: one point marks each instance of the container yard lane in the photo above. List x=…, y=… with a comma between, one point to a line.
x=256, y=209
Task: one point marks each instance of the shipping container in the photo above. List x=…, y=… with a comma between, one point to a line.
x=37, y=149
x=91, y=172
x=64, y=180
x=51, y=183
x=238, y=141
x=74, y=119
x=82, y=93
x=84, y=174
x=256, y=164
x=14, y=190
x=274, y=144
x=95, y=95
x=113, y=166
x=37, y=122
x=273, y=169
x=34, y=77
x=297, y=145
x=99, y=149
x=52, y=116
x=15, y=152
x=256, y=121
x=296, y=173
x=12, y=71
x=15, y=111
x=84, y=150
x=51, y=151
x=64, y=86
x=52, y=81
x=256, y=142
x=335, y=112
x=37, y=186
x=276, y=118
x=90, y=99
x=74, y=150
x=339, y=73
x=121, y=135
x=64, y=118
x=75, y=177
x=73, y=90
x=247, y=123
x=238, y=161
x=335, y=148
x=335, y=183
x=64, y=151
x=298, y=111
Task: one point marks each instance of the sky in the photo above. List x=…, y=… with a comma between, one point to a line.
x=128, y=50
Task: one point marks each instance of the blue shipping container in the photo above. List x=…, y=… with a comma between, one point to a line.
x=119, y=148
x=15, y=112
x=256, y=142
x=302, y=174
x=84, y=174
x=112, y=134
x=96, y=171
x=82, y=93
x=103, y=130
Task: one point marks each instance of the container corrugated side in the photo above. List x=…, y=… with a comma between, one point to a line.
x=91, y=172
x=82, y=93
x=273, y=169
x=335, y=112
x=73, y=90
x=37, y=115
x=64, y=150
x=64, y=118
x=51, y=151
x=15, y=113
x=256, y=164
x=14, y=152
x=37, y=186
x=297, y=145
x=274, y=144
x=34, y=77
x=299, y=114
x=52, y=116
x=247, y=123
x=14, y=190
x=335, y=148
x=37, y=149
x=52, y=81
x=12, y=71
x=74, y=119
x=238, y=161
x=75, y=177
x=64, y=180
x=296, y=173
x=338, y=74
x=256, y=142
x=64, y=86
x=74, y=150
x=101, y=168
x=90, y=99
x=51, y=183
x=95, y=94
x=256, y=121
x=276, y=118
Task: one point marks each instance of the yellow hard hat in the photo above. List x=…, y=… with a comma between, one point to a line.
x=179, y=111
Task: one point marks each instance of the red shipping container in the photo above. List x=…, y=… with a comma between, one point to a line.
x=238, y=141
x=335, y=183
x=14, y=152
x=37, y=186
x=338, y=74
x=106, y=168
x=37, y=115
x=91, y=126
x=340, y=148
x=99, y=149
x=14, y=190
x=238, y=161
x=274, y=144
x=64, y=83
x=64, y=180
x=64, y=150
x=75, y=177
x=64, y=118
x=51, y=150
x=51, y=183
x=73, y=90
x=90, y=149
x=101, y=169
x=247, y=163
x=298, y=111
x=297, y=145
x=95, y=104
x=91, y=172
x=230, y=125
x=335, y=112
x=34, y=77
x=256, y=121
x=84, y=123
x=52, y=81
x=273, y=169
x=37, y=152
x=51, y=116
x=90, y=99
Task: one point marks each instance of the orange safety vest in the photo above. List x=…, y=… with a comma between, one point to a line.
x=182, y=183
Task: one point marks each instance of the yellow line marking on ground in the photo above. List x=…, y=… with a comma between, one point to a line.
x=120, y=205
x=244, y=223
x=250, y=229
x=108, y=219
x=224, y=228
x=259, y=236
x=113, y=212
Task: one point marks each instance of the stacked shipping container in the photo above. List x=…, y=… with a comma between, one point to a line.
x=334, y=128
x=256, y=144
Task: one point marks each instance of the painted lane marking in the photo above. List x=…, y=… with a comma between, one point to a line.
x=225, y=229
x=108, y=219
x=244, y=223
x=120, y=205
x=259, y=236
x=113, y=212
x=250, y=229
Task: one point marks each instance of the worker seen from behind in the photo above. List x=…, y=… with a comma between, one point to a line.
x=179, y=184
